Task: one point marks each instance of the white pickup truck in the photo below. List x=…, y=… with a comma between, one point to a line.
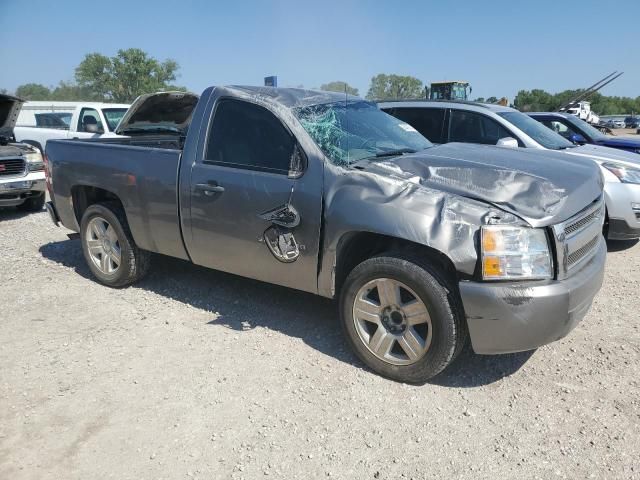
x=39, y=122
x=583, y=111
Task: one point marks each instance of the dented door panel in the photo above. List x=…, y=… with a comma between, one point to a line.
x=262, y=225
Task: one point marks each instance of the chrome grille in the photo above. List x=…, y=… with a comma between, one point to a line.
x=579, y=254
x=578, y=238
x=12, y=167
x=583, y=222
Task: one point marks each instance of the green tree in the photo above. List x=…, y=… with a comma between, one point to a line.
x=535, y=101
x=395, y=87
x=492, y=100
x=33, y=91
x=539, y=100
x=126, y=75
x=69, y=92
x=339, y=86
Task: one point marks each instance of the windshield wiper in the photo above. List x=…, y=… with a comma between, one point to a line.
x=395, y=153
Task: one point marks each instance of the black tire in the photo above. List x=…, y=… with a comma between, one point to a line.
x=134, y=262
x=32, y=204
x=438, y=294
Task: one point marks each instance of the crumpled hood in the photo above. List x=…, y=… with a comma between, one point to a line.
x=606, y=155
x=9, y=109
x=540, y=186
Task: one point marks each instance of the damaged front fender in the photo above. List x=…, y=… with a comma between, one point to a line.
x=361, y=201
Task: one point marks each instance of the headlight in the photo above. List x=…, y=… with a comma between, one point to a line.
x=624, y=174
x=515, y=253
x=34, y=161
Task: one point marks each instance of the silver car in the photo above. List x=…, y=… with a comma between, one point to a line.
x=470, y=122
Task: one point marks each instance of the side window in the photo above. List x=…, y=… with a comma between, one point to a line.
x=561, y=128
x=89, y=121
x=472, y=127
x=427, y=121
x=249, y=136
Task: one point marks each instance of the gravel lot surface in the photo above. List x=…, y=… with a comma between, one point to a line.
x=198, y=374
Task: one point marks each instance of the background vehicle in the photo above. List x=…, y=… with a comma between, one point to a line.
x=583, y=111
x=450, y=90
x=327, y=194
x=632, y=122
x=39, y=122
x=614, y=123
x=22, y=181
x=579, y=132
x=580, y=107
x=470, y=122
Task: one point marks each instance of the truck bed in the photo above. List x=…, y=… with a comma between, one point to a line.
x=142, y=172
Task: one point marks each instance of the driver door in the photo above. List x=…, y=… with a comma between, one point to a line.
x=250, y=199
x=88, y=116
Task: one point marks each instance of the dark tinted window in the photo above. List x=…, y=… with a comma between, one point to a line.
x=471, y=127
x=247, y=135
x=428, y=121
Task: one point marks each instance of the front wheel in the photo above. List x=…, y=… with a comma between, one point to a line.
x=108, y=247
x=402, y=318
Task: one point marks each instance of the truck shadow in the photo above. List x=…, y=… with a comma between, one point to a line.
x=242, y=304
x=620, y=245
x=12, y=213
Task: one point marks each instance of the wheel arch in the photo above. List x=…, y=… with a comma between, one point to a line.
x=355, y=247
x=83, y=196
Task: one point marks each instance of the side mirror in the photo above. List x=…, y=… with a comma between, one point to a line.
x=507, y=142
x=578, y=139
x=92, y=128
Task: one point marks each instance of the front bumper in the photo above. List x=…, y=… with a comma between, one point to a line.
x=518, y=316
x=14, y=191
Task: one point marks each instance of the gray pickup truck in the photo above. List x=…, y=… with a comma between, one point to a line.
x=423, y=245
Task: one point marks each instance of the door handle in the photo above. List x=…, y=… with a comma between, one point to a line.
x=209, y=188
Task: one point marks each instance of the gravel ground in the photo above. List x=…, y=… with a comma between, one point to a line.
x=198, y=374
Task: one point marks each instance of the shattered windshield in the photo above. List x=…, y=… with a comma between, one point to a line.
x=351, y=131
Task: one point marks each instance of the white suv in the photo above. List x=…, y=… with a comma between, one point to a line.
x=470, y=122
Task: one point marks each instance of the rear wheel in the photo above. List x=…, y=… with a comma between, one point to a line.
x=403, y=318
x=108, y=247
x=32, y=204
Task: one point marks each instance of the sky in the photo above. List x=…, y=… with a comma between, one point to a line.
x=500, y=47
